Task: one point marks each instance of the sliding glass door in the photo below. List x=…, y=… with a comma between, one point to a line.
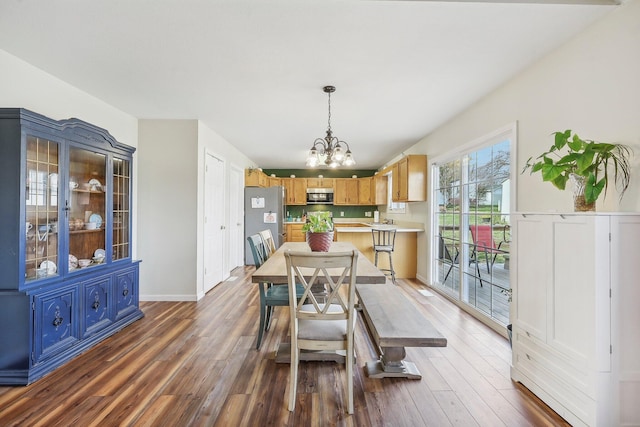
x=471, y=225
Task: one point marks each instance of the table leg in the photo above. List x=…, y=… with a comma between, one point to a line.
x=392, y=364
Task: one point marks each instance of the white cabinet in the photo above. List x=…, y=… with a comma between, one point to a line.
x=576, y=314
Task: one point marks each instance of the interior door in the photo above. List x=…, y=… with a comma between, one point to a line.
x=236, y=216
x=214, y=226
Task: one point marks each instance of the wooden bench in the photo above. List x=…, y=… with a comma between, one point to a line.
x=394, y=323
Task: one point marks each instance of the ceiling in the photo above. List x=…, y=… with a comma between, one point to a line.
x=253, y=71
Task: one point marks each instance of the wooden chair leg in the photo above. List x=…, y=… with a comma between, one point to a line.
x=349, y=363
x=267, y=323
x=293, y=377
x=263, y=314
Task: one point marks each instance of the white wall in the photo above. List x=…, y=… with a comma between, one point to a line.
x=25, y=86
x=167, y=207
x=590, y=85
x=171, y=204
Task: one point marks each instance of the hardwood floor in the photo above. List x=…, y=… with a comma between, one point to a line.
x=195, y=364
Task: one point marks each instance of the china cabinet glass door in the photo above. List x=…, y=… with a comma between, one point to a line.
x=86, y=208
x=121, y=208
x=41, y=208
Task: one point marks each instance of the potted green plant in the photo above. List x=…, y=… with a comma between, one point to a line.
x=319, y=231
x=586, y=163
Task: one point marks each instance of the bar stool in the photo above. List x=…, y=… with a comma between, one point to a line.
x=384, y=241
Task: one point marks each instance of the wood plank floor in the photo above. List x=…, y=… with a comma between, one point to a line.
x=195, y=364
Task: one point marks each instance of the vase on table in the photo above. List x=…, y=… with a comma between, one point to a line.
x=320, y=242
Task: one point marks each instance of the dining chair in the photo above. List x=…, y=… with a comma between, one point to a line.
x=270, y=295
x=384, y=241
x=269, y=242
x=325, y=322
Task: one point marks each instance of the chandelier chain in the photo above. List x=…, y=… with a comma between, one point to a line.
x=329, y=120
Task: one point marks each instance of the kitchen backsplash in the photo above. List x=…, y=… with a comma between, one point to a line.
x=349, y=211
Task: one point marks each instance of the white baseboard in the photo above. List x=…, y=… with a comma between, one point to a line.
x=177, y=298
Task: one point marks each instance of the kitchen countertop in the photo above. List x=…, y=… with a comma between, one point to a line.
x=360, y=226
x=399, y=228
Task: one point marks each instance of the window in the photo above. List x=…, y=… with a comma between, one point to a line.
x=471, y=205
x=393, y=207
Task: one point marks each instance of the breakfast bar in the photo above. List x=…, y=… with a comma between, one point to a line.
x=404, y=258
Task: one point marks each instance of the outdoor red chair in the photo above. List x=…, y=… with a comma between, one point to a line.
x=483, y=241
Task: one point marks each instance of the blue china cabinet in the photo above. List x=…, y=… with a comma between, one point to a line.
x=67, y=278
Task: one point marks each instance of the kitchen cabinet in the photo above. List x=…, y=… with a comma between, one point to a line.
x=65, y=218
x=346, y=191
x=320, y=182
x=254, y=177
x=379, y=191
x=576, y=343
x=294, y=233
x=365, y=191
x=273, y=182
x=296, y=190
x=409, y=179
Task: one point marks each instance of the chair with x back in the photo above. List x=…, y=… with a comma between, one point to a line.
x=324, y=317
x=269, y=242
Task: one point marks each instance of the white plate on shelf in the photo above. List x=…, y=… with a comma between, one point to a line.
x=73, y=262
x=97, y=219
x=50, y=266
x=99, y=253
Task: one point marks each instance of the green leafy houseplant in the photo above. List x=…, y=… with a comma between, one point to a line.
x=319, y=229
x=586, y=162
x=318, y=223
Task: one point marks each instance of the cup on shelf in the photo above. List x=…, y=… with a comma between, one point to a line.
x=91, y=225
x=82, y=263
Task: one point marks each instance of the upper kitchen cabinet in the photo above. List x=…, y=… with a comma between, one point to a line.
x=67, y=278
x=365, y=191
x=379, y=190
x=346, y=191
x=320, y=182
x=255, y=178
x=409, y=179
x=296, y=190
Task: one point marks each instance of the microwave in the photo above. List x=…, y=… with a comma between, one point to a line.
x=319, y=196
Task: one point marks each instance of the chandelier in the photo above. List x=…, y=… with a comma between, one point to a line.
x=330, y=151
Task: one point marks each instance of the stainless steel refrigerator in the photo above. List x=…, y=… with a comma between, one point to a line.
x=264, y=208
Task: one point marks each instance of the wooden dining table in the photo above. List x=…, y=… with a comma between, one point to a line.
x=274, y=270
